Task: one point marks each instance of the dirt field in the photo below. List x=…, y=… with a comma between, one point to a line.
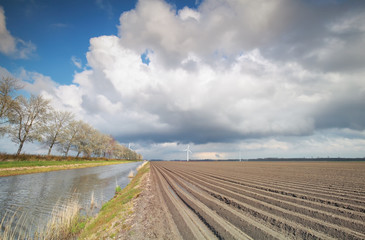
x=263, y=200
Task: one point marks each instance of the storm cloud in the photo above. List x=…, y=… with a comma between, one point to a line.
x=226, y=71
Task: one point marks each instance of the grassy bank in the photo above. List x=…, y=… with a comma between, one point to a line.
x=64, y=223
x=67, y=222
x=26, y=164
x=112, y=216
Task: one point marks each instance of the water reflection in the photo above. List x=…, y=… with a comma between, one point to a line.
x=35, y=195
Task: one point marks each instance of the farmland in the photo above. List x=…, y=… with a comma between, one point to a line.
x=263, y=200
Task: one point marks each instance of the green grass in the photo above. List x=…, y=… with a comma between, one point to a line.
x=14, y=164
x=114, y=212
x=33, y=157
x=118, y=189
x=26, y=164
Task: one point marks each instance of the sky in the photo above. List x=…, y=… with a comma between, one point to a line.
x=228, y=77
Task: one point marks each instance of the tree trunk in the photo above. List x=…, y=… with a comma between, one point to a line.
x=50, y=149
x=67, y=149
x=78, y=154
x=20, y=148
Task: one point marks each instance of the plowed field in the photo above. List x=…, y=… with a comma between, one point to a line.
x=264, y=200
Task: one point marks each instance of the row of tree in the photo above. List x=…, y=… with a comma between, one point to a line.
x=33, y=119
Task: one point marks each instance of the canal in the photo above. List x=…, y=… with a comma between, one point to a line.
x=34, y=196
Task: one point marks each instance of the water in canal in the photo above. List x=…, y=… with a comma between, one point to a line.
x=36, y=195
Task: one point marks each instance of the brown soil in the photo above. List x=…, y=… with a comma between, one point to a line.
x=251, y=200
x=151, y=218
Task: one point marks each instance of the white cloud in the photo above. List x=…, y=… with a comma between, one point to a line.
x=36, y=83
x=69, y=96
x=208, y=155
x=10, y=45
x=212, y=80
x=63, y=97
x=7, y=43
x=217, y=29
x=251, y=97
x=349, y=23
x=268, y=144
x=7, y=146
x=4, y=72
x=187, y=13
x=76, y=61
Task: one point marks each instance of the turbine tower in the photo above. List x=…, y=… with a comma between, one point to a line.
x=187, y=153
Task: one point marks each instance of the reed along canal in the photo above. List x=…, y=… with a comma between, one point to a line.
x=34, y=196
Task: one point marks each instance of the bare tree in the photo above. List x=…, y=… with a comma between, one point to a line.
x=69, y=137
x=102, y=144
x=55, y=126
x=107, y=148
x=27, y=118
x=112, y=145
x=117, y=152
x=8, y=87
x=123, y=152
x=84, y=139
x=83, y=143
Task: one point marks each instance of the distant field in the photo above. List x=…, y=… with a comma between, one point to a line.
x=264, y=200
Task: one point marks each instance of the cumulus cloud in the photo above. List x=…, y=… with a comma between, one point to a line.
x=323, y=36
x=36, y=83
x=10, y=45
x=4, y=72
x=251, y=72
x=76, y=61
x=217, y=29
x=253, y=97
x=63, y=97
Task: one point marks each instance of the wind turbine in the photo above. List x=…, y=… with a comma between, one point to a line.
x=187, y=153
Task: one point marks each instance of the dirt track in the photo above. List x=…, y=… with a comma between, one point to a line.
x=264, y=200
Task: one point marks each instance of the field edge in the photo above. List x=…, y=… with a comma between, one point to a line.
x=111, y=218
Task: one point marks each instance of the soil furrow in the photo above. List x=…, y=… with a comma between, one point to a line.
x=316, y=176
x=223, y=228
x=188, y=224
x=353, y=192
x=279, y=223
x=246, y=224
x=264, y=200
x=321, y=215
x=325, y=227
x=357, y=199
x=350, y=214
x=346, y=193
x=298, y=194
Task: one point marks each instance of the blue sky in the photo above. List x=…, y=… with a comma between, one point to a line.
x=62, y=29
x=267, y=78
